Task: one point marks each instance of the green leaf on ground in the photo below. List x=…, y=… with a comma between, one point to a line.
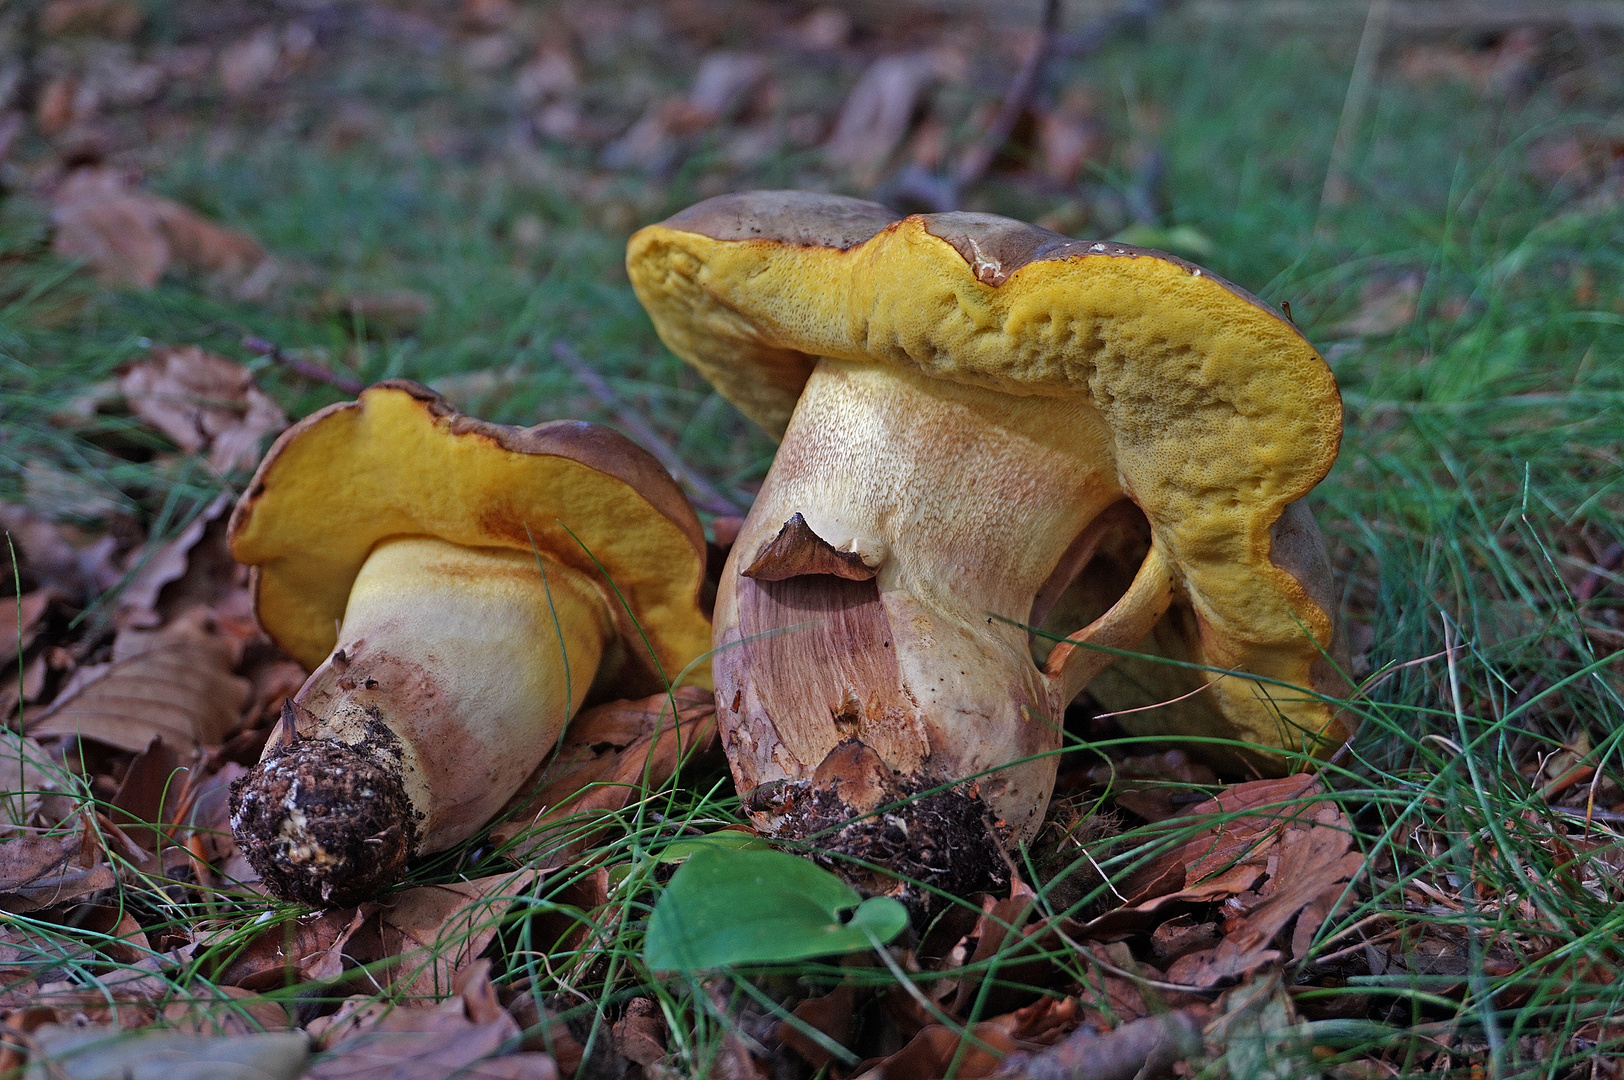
x=760, y=907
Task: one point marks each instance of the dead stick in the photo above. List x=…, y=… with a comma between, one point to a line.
x=1147, y=1047
x=302, y=368
x=706, y=495
x=1019, y=98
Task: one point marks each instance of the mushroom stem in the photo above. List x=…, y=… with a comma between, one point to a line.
x=455, y=672
x=870, y=633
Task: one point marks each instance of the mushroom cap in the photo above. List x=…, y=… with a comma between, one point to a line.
x=1220, y=412
x=401, y=461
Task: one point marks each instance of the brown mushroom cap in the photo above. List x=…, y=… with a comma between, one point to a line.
x=1220, y=413
x=400, y=461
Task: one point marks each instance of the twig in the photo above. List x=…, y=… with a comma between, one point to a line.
x=706, y=496
x=941, y=193
x=1149, y=1046
x=305, y=369
x=1595, y=578
x=974, y=165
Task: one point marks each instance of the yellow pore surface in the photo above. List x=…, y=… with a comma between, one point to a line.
x=1220, y=413
x=385, y=466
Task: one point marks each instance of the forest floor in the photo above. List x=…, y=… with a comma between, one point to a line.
x=218, y=215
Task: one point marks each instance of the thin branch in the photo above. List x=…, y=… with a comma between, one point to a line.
x=305, y=369
x=706, y=496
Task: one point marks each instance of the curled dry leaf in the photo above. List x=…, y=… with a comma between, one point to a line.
x=26, y=774
x=130, y=237
x=1307, y=874
x=611, y=755
x=307, y=949
x=175, y=684
x=107, y=18
x=193, y=567
x=640, y=1033
x=880, y=109
x=462, y=1037
x=93, y=1053
x=432, y=933
x=39, y=871
x=205, y=403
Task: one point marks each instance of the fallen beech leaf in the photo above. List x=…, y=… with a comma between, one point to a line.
x=611, y=755
x=1385, y=307
x=40, y=871
x=431, y=933
x=109, y=1054
x=640, y=1034
x=1314, y=864
x=880, y=109
x=1222, y=860
x=26, y=774
x=929, y=1053
x=176, y=685
x=306, y=949
x=203, y=402
x=130, y=236
x=457, y=1038
x=193, y=567
x=831, y=1014
x=107, y=18
x=60, y=557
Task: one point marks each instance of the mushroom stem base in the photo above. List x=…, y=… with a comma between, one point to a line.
x=324, y=823
x=908, y=837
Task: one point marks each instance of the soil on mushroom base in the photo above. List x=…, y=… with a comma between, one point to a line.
x=357, y=824
x=945, y=839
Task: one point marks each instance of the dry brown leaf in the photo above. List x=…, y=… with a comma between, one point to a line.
x=611, y=754
x=929, y=1053
x=58, y=556
x=27, y=773
x=1385, y=307
x=203, y=403
x=431, y=933
x=880, y=109
x=309, y=948
x=457, y=1038
x=640, y=1034
x=108, y=18
x=40, y=871
x=175, y=684
x=130, y=236
x=191, y=570
x=831, y=1014
x=1310, y=871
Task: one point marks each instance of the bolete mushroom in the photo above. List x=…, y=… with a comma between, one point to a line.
x=970, y=409
x=460, y=588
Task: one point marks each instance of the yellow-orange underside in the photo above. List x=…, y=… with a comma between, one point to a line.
x=387, y=466
x=1221, y=413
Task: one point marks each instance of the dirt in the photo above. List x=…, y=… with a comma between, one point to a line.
x=325, y=823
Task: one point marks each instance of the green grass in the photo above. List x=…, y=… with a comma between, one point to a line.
x=1481, y=471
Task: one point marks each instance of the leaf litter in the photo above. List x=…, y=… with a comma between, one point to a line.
x=1217, y=934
